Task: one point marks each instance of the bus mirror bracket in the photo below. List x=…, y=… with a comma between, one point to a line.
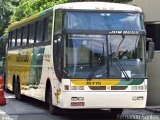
x=150, y=49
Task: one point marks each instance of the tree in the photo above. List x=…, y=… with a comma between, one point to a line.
x=30, y=7
x=6, y=10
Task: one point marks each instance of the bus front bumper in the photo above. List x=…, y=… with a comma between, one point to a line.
x=102, y=100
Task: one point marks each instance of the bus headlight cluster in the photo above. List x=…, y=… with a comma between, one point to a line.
x=140, y=87
x=137, y=87
x=77, y=87
x=134, y=87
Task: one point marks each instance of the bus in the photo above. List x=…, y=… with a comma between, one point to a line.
x=80, y=55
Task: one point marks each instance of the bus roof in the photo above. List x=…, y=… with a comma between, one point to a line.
x=81, y=6
x=98, y=6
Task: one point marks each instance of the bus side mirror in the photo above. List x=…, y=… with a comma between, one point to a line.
x=150, y=49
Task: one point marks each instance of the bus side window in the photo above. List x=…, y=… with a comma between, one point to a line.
x=13, y=43
x=39, y=31
x=25, y=35
x=19, y=33
x=10, y=40
x=48, y=29
x=58, y=22
x=32, y=33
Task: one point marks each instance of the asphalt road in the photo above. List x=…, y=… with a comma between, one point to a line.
x=31, y=109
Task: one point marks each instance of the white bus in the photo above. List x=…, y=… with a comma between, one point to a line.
x=81, y=55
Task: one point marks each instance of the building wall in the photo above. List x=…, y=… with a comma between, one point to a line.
x=151, y=9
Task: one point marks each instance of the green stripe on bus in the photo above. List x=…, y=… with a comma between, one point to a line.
x=131, y=82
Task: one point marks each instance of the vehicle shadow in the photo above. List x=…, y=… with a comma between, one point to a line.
x=73, y=114
x=86, y=114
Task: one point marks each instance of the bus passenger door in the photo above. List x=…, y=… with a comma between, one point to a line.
x=58, y=56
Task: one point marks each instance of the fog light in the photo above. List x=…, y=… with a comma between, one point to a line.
x=134, y=98
x=137, y=98
x=140, y=98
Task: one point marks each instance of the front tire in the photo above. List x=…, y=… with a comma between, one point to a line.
x=53, y=109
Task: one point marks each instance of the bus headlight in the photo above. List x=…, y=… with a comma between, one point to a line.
x=134, y=88
x=77, y=87
x=145, y=87
x=81, y=88
x=140, y=87
x=137, y=87
x=74, y=87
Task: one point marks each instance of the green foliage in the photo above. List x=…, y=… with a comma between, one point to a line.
x=31, y=7
x=6, y=9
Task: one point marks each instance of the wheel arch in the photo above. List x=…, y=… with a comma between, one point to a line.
x=48, y=84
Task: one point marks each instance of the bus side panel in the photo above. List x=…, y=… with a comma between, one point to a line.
x=48, y=73
x=10, y=68
x=18, y=65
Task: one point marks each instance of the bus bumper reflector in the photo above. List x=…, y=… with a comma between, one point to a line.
x=77, y=103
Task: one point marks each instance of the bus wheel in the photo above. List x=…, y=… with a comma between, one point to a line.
x=116, y=111
x=18, y=90
x=53, y=109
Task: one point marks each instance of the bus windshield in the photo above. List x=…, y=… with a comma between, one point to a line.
x=104, y=56
x=83, y=20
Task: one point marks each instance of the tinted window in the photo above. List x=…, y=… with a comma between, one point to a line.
x=19, y=36
x=10, y=39
x=25, y=35
x=102, y=21
x=39, y=31
x=58, y=21
x=13, y=38
x=31, y=33
x=48, y=29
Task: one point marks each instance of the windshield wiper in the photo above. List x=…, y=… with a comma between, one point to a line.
x=123, y=37
x=118, y=63
x=122, y=69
